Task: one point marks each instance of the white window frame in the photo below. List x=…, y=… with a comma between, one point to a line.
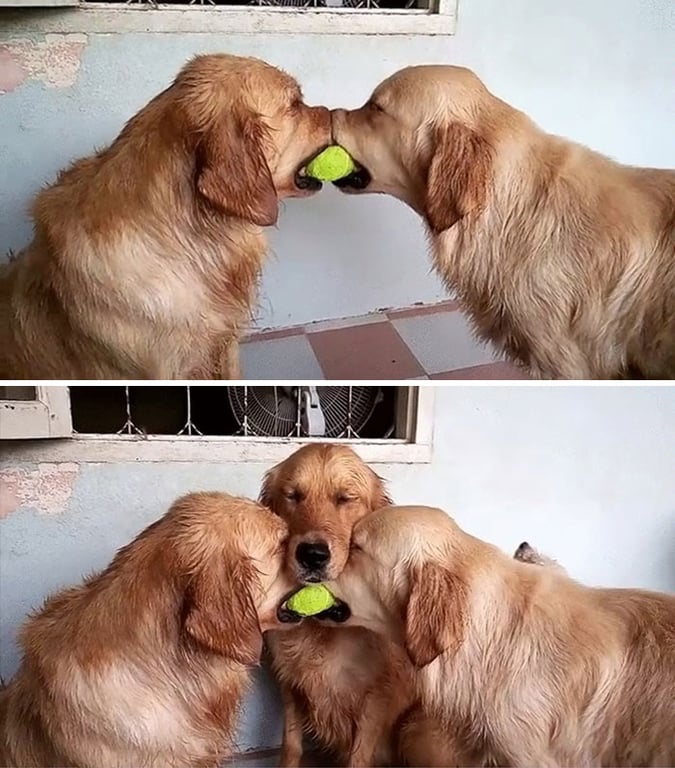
x=415, y=419
x=47, y=416
x=117, y=18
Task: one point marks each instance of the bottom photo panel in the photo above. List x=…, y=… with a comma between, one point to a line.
x=301, y=575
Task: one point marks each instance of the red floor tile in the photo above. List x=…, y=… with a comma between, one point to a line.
x=373, y=351
x=505, y=371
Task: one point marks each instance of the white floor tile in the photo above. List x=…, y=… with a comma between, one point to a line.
x=443, y=341
x=287, y=358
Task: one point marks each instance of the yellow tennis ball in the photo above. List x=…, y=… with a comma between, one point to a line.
x=330, y=165
x=310, y=600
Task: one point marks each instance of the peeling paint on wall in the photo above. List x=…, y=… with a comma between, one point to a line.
x=47, y=489
x=11, y=73
x=55, y=61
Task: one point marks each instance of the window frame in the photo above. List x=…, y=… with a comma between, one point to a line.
x=19, y=4
x=47, y=416
x=119, y=18
x=414, y=419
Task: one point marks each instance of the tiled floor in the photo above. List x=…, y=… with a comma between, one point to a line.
x=424, y=342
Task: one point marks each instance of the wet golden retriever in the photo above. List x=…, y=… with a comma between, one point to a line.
x=526, y=666
x=145, y=664
x=350, y=689
x=563, y=258
x=146, y=257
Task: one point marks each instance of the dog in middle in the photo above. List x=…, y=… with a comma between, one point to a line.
x=348, y=688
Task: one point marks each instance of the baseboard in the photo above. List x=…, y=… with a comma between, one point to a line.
x=270, y=757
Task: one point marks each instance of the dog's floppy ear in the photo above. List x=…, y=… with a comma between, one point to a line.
x=266, y=496
x=220, y=613
x=380, y=497
x=436, y=614
x=232, y=172
x=459, y=176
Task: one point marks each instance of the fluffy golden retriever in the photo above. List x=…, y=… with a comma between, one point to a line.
x=146, y=663
x=562, y=258
x=525, y=665
x=146, y=256
x=353, y=692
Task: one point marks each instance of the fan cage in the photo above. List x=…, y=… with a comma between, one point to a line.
x=278, y=411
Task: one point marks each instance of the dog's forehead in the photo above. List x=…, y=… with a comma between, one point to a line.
x=380, y=531
x=427, y=84
x=270, y=526
x=248, y=81
x=404, y=529
x=265, y=84
x=394, y=88
x=258, y=528
x=347, y=466
x=324, y=469
x=277, y=84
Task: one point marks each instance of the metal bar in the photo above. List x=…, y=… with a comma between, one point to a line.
x=298, y=412
x=128, y=427
x=188, y=395
x=350, y=413
x=189, y=428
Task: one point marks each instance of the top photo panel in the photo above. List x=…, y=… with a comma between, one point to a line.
x=336, y=190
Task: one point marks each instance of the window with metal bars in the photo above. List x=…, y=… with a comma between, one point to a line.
x=395, y=17
x=356, y=4
x=351, y=413
x=223, y=423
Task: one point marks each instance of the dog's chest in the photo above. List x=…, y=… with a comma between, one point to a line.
x=170, y=308
x=506, y=293
x=329, y=662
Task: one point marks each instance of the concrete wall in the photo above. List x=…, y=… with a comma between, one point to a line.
x=599, y=72
x=586, y=474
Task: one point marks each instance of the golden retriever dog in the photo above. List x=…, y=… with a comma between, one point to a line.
x=526, y=666
x=348, y=689
x=424, y=741
x=562, y=258
x=145, y=664
x=147, y=256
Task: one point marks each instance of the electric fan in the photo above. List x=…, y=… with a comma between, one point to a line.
x=303, y=411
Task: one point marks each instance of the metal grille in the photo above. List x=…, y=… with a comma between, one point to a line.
x=350, y=413
x=353, y=4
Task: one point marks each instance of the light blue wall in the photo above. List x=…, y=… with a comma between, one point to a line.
x=586, y=474
x=597, y=71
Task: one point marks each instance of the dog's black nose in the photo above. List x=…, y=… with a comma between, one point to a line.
x=312, y=556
